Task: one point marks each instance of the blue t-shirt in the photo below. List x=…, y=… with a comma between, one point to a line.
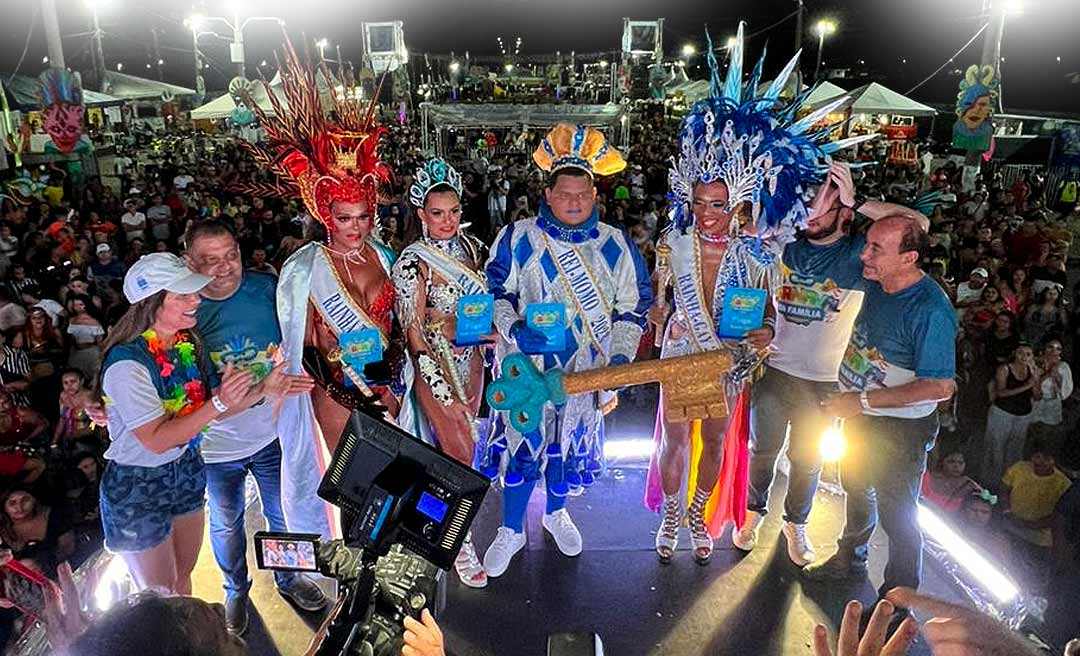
x=241, y=330
x=898, y=338
x=817, y=301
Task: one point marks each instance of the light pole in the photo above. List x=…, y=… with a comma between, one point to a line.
x=822, y=28
x=195, y=22
x=97, y=50
x=237, y=26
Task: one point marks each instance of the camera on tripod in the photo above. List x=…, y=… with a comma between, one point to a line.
x=406, y=509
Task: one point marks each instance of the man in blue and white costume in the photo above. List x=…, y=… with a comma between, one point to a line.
x=564, y=255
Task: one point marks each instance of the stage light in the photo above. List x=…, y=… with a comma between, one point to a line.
x=455, y=67
x=45, y=59
x=111, y=586
x=603, y=63
x=689, y=50
x=731, y=42
x=195, y=22
x=119, y=66
x=161, y=62
x=509, y=68
x=262, y=63
x=322, y=43
x=833, y=444
x=967, y=556
x=638, y=448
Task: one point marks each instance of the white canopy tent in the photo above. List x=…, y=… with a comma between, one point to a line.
x=876, y=98
x=223, y=106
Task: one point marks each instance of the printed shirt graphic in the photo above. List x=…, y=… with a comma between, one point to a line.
x=243, y=331
x=898, y=338
x=820, y=293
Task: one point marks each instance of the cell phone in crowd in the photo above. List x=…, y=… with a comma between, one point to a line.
x=287, y=551
x=23, y=587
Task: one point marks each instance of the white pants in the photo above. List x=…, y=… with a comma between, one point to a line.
x=1004, y=444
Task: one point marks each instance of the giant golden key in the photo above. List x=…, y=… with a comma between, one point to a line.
x=695, y=386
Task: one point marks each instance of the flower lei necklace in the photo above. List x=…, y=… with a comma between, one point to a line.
x=187, y=394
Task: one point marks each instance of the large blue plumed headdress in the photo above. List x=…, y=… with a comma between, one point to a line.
x=754, y=143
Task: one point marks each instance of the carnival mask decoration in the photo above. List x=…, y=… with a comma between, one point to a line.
x=975, y=107
x=62, y=108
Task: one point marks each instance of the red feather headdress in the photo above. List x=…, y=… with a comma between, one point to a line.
x=322, y=156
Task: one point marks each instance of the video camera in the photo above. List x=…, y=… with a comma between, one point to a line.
x=406, y=509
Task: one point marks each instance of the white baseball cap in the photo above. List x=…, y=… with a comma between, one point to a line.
x=103, y=248
x=161, y=272
x=979, y=271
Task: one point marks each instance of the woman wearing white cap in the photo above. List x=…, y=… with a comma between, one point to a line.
x=162, y=392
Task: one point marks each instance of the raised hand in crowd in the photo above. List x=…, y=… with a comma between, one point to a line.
x=873, y=641
x=958, y=631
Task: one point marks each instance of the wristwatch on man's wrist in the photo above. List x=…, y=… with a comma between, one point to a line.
x=864, y=399
x=860, y=200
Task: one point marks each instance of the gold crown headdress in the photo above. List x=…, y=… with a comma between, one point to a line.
x=580, y=147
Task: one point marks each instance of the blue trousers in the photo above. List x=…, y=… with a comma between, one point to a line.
x=777, y=399
x=881, y=471
x=225, y=487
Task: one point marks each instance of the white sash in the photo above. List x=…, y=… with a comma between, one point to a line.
x=333, y=302
x=449, y=268
x=584, y=291
x=689, y=290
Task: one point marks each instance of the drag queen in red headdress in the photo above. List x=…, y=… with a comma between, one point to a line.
x=330, y=296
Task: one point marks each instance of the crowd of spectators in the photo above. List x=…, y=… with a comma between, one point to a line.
x=1010, y=444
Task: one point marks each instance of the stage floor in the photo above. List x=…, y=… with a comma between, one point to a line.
x=739, y=604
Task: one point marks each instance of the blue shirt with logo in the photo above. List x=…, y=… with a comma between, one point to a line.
x=899, y=338
x=818, y=297
x=243, y=331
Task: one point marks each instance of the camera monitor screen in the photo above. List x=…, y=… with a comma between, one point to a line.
x=400, y=490
x=287, y=551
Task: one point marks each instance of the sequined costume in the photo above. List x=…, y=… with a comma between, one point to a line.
x=749, y=140
x=430, y=277
x=599, y=276
x=326, y=291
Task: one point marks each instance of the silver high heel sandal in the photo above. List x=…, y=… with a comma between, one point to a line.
x=700, y=539
x=667, y=536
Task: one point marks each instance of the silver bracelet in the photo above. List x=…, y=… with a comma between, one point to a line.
x=219, y=405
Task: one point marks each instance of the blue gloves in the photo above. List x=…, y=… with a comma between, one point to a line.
x=528, y=340
x=618, y=359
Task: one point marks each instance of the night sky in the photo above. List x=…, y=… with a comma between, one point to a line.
x=881, y=34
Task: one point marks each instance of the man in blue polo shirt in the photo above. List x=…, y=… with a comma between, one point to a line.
x=817, y=300
x=899, y=364
x=238, y=322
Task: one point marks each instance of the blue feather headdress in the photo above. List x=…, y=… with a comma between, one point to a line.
x=753, y=143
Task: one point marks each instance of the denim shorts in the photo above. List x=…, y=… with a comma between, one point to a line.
x=138, y=504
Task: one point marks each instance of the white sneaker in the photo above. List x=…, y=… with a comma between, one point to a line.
x=469, y=568
x=799, y=548
x=507, y=543
x=567, y=537
x=746, y=537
